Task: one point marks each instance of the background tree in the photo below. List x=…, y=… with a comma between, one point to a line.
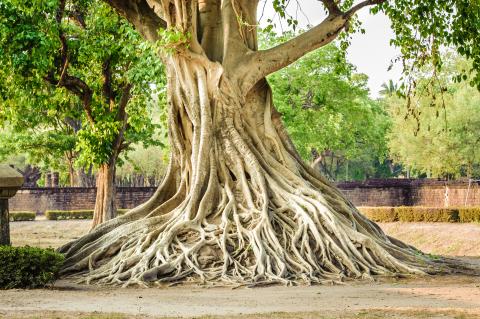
x=82, y=53
x=328, y=113
x=441, y=138
x=237, y=202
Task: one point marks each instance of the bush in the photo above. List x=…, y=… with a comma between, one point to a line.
x=68, y=214
x=379, y=214
x=426, y=214
x=22, y=216
x=76, y=214
x=469, y=214
x=410, y=214
x=28, y=267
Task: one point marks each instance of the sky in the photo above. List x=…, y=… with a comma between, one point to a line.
x=371, y=52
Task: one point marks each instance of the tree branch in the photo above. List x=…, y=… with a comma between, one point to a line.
x=332, y=7
x=78, y=87
x=360, y=5
x=122, y=116
x=107, y=84
x=141, y=15
x=268, y=61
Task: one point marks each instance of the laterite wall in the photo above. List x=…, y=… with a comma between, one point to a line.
x=393, y=192
x=71, y=198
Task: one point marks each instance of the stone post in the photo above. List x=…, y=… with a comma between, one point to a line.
x=55, y=179
x=10, y=182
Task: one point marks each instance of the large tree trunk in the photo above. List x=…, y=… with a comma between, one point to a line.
x=237, y=203
x=105, y=203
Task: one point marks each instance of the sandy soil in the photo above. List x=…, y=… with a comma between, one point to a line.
x=433, y=297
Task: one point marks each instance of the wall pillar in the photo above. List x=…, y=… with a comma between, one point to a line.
x=10, y=182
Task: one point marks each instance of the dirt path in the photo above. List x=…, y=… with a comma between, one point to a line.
x=436, y=295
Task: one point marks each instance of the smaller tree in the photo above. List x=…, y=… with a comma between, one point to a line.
x=438, y=134
x=327, y=110
x=74, y=53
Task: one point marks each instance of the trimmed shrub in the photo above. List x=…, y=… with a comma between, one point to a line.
x=28, y=267
x=22, y=216
x=426, y=214
x=409, y=214
x=76, y=214
x=469, y=214
x=379, y=214
x=68, y=214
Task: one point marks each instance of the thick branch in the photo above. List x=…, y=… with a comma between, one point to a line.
x=78, y=87
x=122, y=117
x=268, y=61
x=107, y=84
x=141, y=15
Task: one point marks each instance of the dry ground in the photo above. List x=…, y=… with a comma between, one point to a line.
x=436, y=297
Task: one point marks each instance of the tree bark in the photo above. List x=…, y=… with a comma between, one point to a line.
x=237, y=203
x=105, y=202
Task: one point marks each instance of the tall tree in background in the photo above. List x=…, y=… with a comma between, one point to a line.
x=327, y=111
x=441, y=139
x=238, y=203
x=58, y=57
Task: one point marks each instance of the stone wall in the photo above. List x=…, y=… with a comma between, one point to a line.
x=71, y=198
x=394, y=192
x=411, y=192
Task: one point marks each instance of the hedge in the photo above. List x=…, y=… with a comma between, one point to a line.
x=75, y=214
x=469, y=214
x=422, y=214
x=28, y=267
x=22, y=216
x=68, y=214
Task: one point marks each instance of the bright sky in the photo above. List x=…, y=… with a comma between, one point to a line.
x=371, y=52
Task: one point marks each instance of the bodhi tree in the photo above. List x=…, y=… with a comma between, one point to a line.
x=237, y=203
x=80, y=64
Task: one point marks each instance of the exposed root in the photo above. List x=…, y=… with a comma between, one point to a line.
x=238, y=206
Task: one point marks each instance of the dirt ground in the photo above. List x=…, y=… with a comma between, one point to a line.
x=431, y=297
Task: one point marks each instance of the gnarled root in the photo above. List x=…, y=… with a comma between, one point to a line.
x=238, y=206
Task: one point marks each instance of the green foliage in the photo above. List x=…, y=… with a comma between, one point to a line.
x=22, y=216
x=326, y=107
x=28, y=267
x=172, y=40
x=439, y=137
x=422, y=27
x=42, y=113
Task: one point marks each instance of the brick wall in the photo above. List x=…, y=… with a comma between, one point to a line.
x=410, y=192
x=395, y=192
x=71, y=198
